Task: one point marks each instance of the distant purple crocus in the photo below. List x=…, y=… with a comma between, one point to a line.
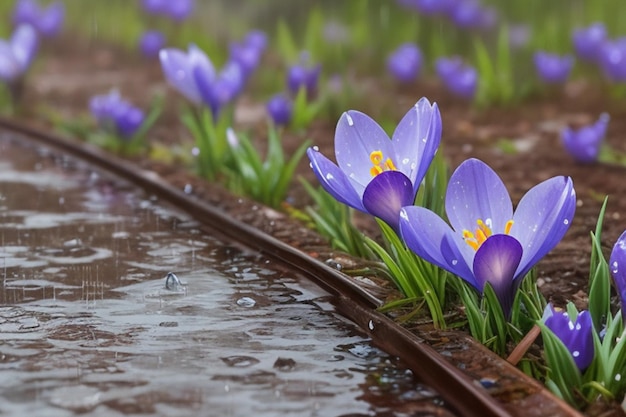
x=470, y=14
x=428, y=7
x=575, y=333
x=374, y=174
x=612, y=59
x=486, y=242
x=115, y=114
x=151, y=42
x=17, y=53
x=280, y=109
x=177, y=10
x=617, y=266
x=459, y=78
x=192, y=73
x=405, y=63
x=47, y=21
x=589, y=40
x=553, y=68
x=303, y=75
x=584, y=144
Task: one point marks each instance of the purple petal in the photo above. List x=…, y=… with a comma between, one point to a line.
x=576, y=336
x=24, y=43
x=51, y=19
x=617, y=265
x=178, y=71
x=495, y=263
x=334, y=180
x=541, y=219
x=584, y=144
x=356, y=137
x=426, y=234
x=386, y=194
x=553, y=68
x=416, y=140
x=9, y=67
x=476, y=192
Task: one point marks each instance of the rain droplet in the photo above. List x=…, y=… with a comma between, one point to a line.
x=172, y=282
x=349, y=119
x=575, y=353
x=618, y=377
x=406, y=161
x=240, y=361
x=329, y=176
x=455, y=261
x=188, y=189
x=370, y=325
x=316, y=148
x=246, y=302
x=565, y=221
x=424, y=140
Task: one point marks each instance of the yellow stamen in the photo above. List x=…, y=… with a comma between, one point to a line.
x=378, y=165
x=507, y=227
x=482, y=233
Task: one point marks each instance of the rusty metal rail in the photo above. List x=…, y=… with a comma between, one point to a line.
x=463, y=393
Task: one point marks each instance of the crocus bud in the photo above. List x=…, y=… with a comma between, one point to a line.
x=17, y=53
x=458, y=77
x=303, y=75
x=405, y=62
x=584, y=144
x=151, y=42
x=115, y=114
x=588, y=41
x=617, y=266
x=576, y=335
x=280, y=109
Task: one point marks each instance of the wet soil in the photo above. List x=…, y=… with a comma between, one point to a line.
x=66, y=79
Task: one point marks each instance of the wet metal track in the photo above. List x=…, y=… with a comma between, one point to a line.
x=465, y=392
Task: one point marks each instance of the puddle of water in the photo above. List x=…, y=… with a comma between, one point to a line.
x=88, y=326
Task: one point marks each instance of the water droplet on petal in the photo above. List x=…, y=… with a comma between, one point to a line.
x=329, y=177
x=406, y=161
x=316, y=148
x=455, y=261
x=565, y=221
x=575, y=353
x=349, y=119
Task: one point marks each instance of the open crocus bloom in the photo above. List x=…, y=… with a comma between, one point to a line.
x=116, y=114
x=617, y=265
x=584, y=144
x=486, y=242
x=17, y=54
x=577, y=336
x=194, y=76
x=374, y=174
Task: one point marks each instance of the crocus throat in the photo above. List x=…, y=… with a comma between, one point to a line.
x=483, y=231
x=378, y=165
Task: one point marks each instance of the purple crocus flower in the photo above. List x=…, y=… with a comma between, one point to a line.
x=303, y=75
x=280, y=109
x=428, y=7
x=374, y=174
x=588, y=41
x=486, y=242
x=617, y=265
x=584, y=144
x=553, y=68
x=151, y=42
x=179, y=10
x=612, y=59
x=458, y=78
x=576, y=335
x=405, y=62
x=114, y=113
x=470, y=14
x=154, y=6
x=47, y=21
x=193, y=75
x=17, y=53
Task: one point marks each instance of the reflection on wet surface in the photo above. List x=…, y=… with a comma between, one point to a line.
x=87, y=324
